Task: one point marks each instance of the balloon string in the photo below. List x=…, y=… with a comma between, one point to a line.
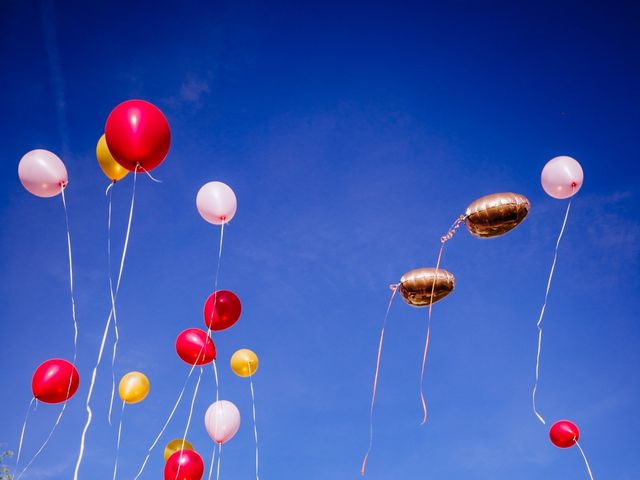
x=586, y=462
x=73, y=302
x=113, y=294
x=24, y=426
x=148, y=174
x=394, y=290
x=544, y=306
x=186, y=430
x=443, y=240
x=166, y=423
x=115, y=467
x=219, y=461
x=42, y=447
x=253, y=405
x=112, y=314
x=213, y=458
x=215, y=376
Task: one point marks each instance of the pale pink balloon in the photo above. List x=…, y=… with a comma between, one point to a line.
x=222, y=421
x=42, y=173
x=216, y=202
x=562, y=177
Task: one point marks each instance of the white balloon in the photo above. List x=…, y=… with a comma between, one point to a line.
x=222, y=421
x=42, y=173
x=562, y=177
x=216, y=202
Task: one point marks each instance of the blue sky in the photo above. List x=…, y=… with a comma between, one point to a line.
x=352, y=135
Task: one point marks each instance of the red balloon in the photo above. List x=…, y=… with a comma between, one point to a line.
x=55, y=381
x=564, y=434
x=137, y=133
x=184, y=465
x=226, y=312
x=195, y=347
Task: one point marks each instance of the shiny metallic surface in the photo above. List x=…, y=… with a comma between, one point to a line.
x=496, y=214
x=416, y=286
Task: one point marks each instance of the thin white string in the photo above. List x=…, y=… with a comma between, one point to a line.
x=24, y=426
x=586, y=462
x=148, y=174
x=105, y=333
x=113, y=373
x=115, y=467
x=73, y=302
x=539, y=324
x=166, y=423
x=253, y=405
x=42, y=447
x=394, y=290
x=213, y=458
x=219, y=461
x=186, y=430
x=114, y=295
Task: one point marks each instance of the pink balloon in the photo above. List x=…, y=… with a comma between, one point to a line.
x=42, y=173
x=216, y=202
x=562, y=177
x=222, y=421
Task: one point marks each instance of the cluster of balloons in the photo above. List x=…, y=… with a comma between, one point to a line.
x=487, y=217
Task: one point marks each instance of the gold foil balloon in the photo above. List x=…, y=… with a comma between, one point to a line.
x=133, y=387
x=416, y=286
x=244, y=362
x=112, y=169
x=174, y=446
x=496, y=214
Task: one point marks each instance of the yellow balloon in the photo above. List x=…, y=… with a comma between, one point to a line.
x=134, y=387
x=108, y=164
x=174, y=446
x=244, y=362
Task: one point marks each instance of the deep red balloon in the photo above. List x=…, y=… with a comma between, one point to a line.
x=195, y=347
x=55, y=381
x=137, y=133
x=226, y=312
x=189, y=463
x=564, y=434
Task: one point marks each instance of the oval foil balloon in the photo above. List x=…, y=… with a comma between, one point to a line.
x=496, y=214
x=416, y=286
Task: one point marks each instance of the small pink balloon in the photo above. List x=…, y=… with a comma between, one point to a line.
x=222, y=421
x=562, y=177
x=216, y=202
x=42, y=173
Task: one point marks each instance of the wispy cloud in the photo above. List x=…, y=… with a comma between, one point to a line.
x=192, y=92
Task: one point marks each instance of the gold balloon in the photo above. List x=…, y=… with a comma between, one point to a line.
x=175, y=446
x=134, y=387
x=496, y=214
x=416, y=286
x=244, y=362
x=108, y=164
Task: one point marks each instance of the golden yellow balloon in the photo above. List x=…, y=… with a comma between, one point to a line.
x=244, y=362
x=417, y=286
x=175, y=446
x=108, y=164
x=134, y=387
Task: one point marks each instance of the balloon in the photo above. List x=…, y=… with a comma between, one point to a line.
x=496, y=214
x=174, y=446
x=42, y=173
x=416, y=286
x=226, y=312
x=244, y=362
x=112, y=169
x=184, y=465
x=138, y=134
x=134, y=387
x=55, y=381
x=564, y=434
x=222, y=421
x=216, y=202
x=562, y=177
x=195, y=347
